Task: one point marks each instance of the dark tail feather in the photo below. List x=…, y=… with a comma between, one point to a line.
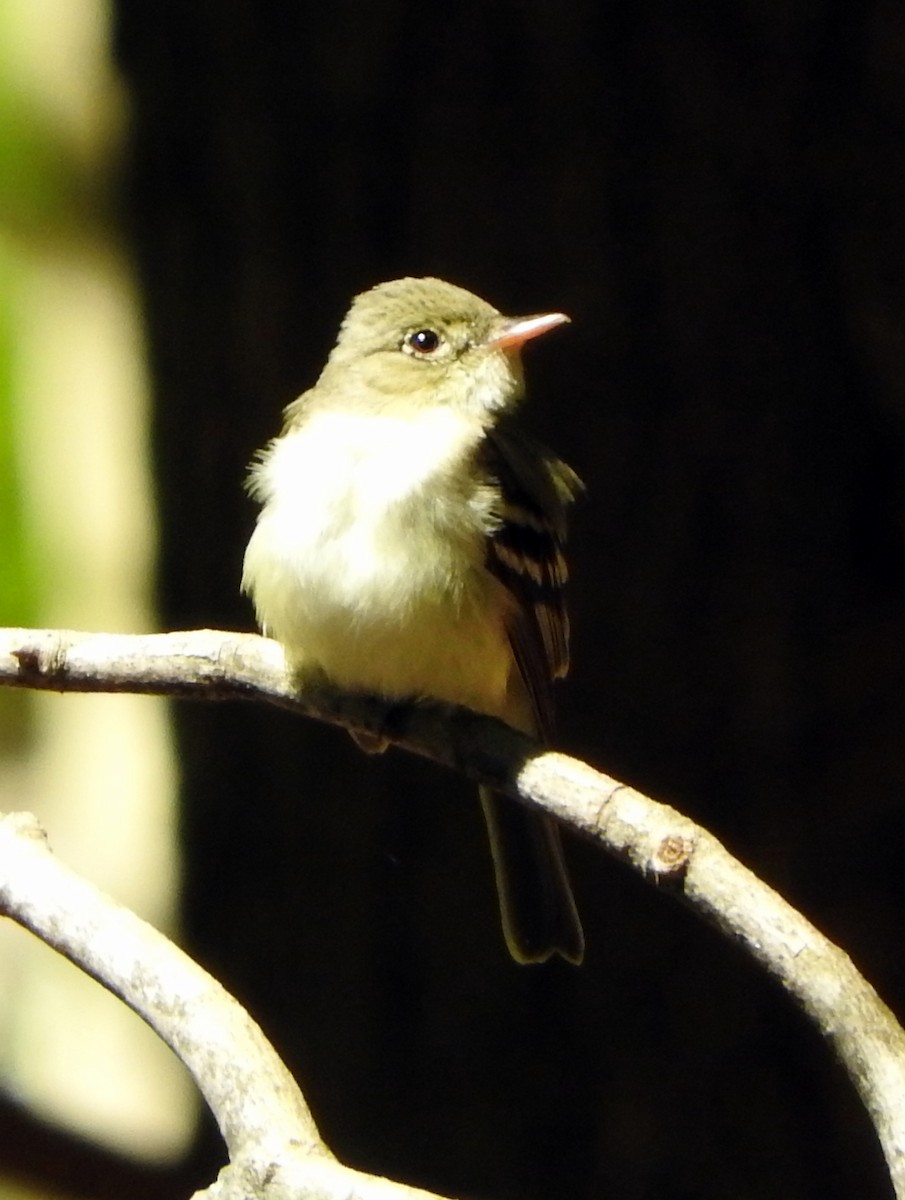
x=537, y=908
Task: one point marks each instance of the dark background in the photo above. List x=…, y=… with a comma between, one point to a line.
x=715, y=195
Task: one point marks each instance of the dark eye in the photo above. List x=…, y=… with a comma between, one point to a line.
x=425, y=341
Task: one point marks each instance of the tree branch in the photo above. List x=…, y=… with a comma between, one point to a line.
x=662, y=845
x=274, y=1146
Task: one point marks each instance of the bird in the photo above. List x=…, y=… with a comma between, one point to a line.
x=409, y=544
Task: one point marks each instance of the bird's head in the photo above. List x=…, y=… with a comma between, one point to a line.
x=431, y=342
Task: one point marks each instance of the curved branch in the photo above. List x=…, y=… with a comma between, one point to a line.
x=657, y=841
x=274, y=1146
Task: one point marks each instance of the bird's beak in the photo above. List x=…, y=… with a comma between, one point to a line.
x=513, y=332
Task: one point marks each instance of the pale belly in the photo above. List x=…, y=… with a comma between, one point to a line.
x=357, y=573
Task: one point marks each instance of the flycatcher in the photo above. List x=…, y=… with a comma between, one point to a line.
x=410, y=545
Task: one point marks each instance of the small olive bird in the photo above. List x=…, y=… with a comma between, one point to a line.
x=410, y=545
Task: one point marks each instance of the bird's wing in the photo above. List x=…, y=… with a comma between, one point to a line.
x=525, y=553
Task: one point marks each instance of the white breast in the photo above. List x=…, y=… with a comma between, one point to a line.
x=368, y=555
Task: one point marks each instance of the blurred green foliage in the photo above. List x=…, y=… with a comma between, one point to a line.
x=17, y=605
x=34, y=201
x=46, y=193
x=43, y=185
x=17, y=579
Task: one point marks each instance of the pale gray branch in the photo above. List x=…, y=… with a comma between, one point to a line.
x=275, y=1150
x=660, y=843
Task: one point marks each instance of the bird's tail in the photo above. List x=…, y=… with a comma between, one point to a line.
x=537, y=908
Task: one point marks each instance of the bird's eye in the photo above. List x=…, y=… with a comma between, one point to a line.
x=423, y=341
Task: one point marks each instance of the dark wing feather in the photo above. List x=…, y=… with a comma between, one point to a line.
x=525, y=553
